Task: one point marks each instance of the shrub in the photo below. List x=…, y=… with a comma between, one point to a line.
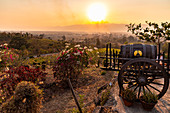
x=129, y=95
x=70, y=63
x=8, y=57
x=9, y=81
x=93, y=55
x=27, y=99
x=150, y=97
x=103, y=72
x=105, y=97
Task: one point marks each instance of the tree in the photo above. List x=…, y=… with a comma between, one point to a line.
x=98, y=42
x=18, y=42
x=152, y=32
x=64, y=37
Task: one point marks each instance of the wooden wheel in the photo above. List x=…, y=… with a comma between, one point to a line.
x=143, y=74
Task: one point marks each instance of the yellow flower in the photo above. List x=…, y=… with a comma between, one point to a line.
x=0, y=59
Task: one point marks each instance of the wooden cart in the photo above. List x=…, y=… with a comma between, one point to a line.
x=140, y=68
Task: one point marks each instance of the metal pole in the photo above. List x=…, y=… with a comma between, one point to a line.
x=71, y=87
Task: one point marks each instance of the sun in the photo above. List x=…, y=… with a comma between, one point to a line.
x=96, y=12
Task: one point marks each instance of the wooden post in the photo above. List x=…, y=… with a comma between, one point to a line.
x=163, y=59
x=118, y=60
x=110, y=55
x=159, y=52
x=71, y=87
x=113, y=59
x=106, y=55
x=168, y=57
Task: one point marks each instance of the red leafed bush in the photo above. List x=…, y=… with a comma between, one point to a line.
x=12, y=77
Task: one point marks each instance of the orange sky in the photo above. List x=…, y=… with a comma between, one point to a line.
x=45, y=14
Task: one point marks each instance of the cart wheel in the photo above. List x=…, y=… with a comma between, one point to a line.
x=141, y=75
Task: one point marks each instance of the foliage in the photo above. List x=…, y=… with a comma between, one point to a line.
x=15, y=75
x=150, y=97
x=165, y=47
x=93, y=55
x=153, y=32
x=103, y=72
x=26, y=99
x=81, y=103
x=105, y=97
x=18, y=42
x=31, y=44
x=129, y=95
x=48, y=60
x=8, y=57
x=70, y=63
x=44, y=46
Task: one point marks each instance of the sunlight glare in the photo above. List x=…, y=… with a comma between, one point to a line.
x=96, y=12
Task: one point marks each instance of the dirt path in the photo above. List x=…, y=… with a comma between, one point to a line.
x=62, y=100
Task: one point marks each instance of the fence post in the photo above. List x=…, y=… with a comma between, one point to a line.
x=114, y=59
x=106, y=55
x=168, y=57
x=110, y=55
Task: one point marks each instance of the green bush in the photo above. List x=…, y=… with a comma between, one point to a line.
x=27, y=99
x=103, y=72
x=129, y=95
x=150, y=97
x=105, y=97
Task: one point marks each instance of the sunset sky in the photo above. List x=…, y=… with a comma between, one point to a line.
x=45, y=14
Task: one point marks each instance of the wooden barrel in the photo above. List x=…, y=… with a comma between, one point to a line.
x=138, y=50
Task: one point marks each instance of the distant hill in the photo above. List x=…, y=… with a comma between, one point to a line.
x=106, y=27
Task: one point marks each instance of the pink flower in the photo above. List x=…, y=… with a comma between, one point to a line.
x=58, y=58
x=10, y=56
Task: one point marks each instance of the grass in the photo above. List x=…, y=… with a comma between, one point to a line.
x=102, y=51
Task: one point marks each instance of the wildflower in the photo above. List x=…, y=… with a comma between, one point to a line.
x=95, y=48
x=67, y=44
x=0, y=59
x=68, y=55
x=78, y=62
x=5, y=44
x=85, y=47
x=90, y=50
x=10, y=56
x=78, y=53
x=77, y=46
x=67, y=47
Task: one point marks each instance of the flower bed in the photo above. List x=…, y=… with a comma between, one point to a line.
x=13, y=76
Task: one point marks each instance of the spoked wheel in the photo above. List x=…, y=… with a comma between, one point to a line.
x=143, y=74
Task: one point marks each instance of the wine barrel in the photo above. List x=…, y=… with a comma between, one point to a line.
x=138, y=50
